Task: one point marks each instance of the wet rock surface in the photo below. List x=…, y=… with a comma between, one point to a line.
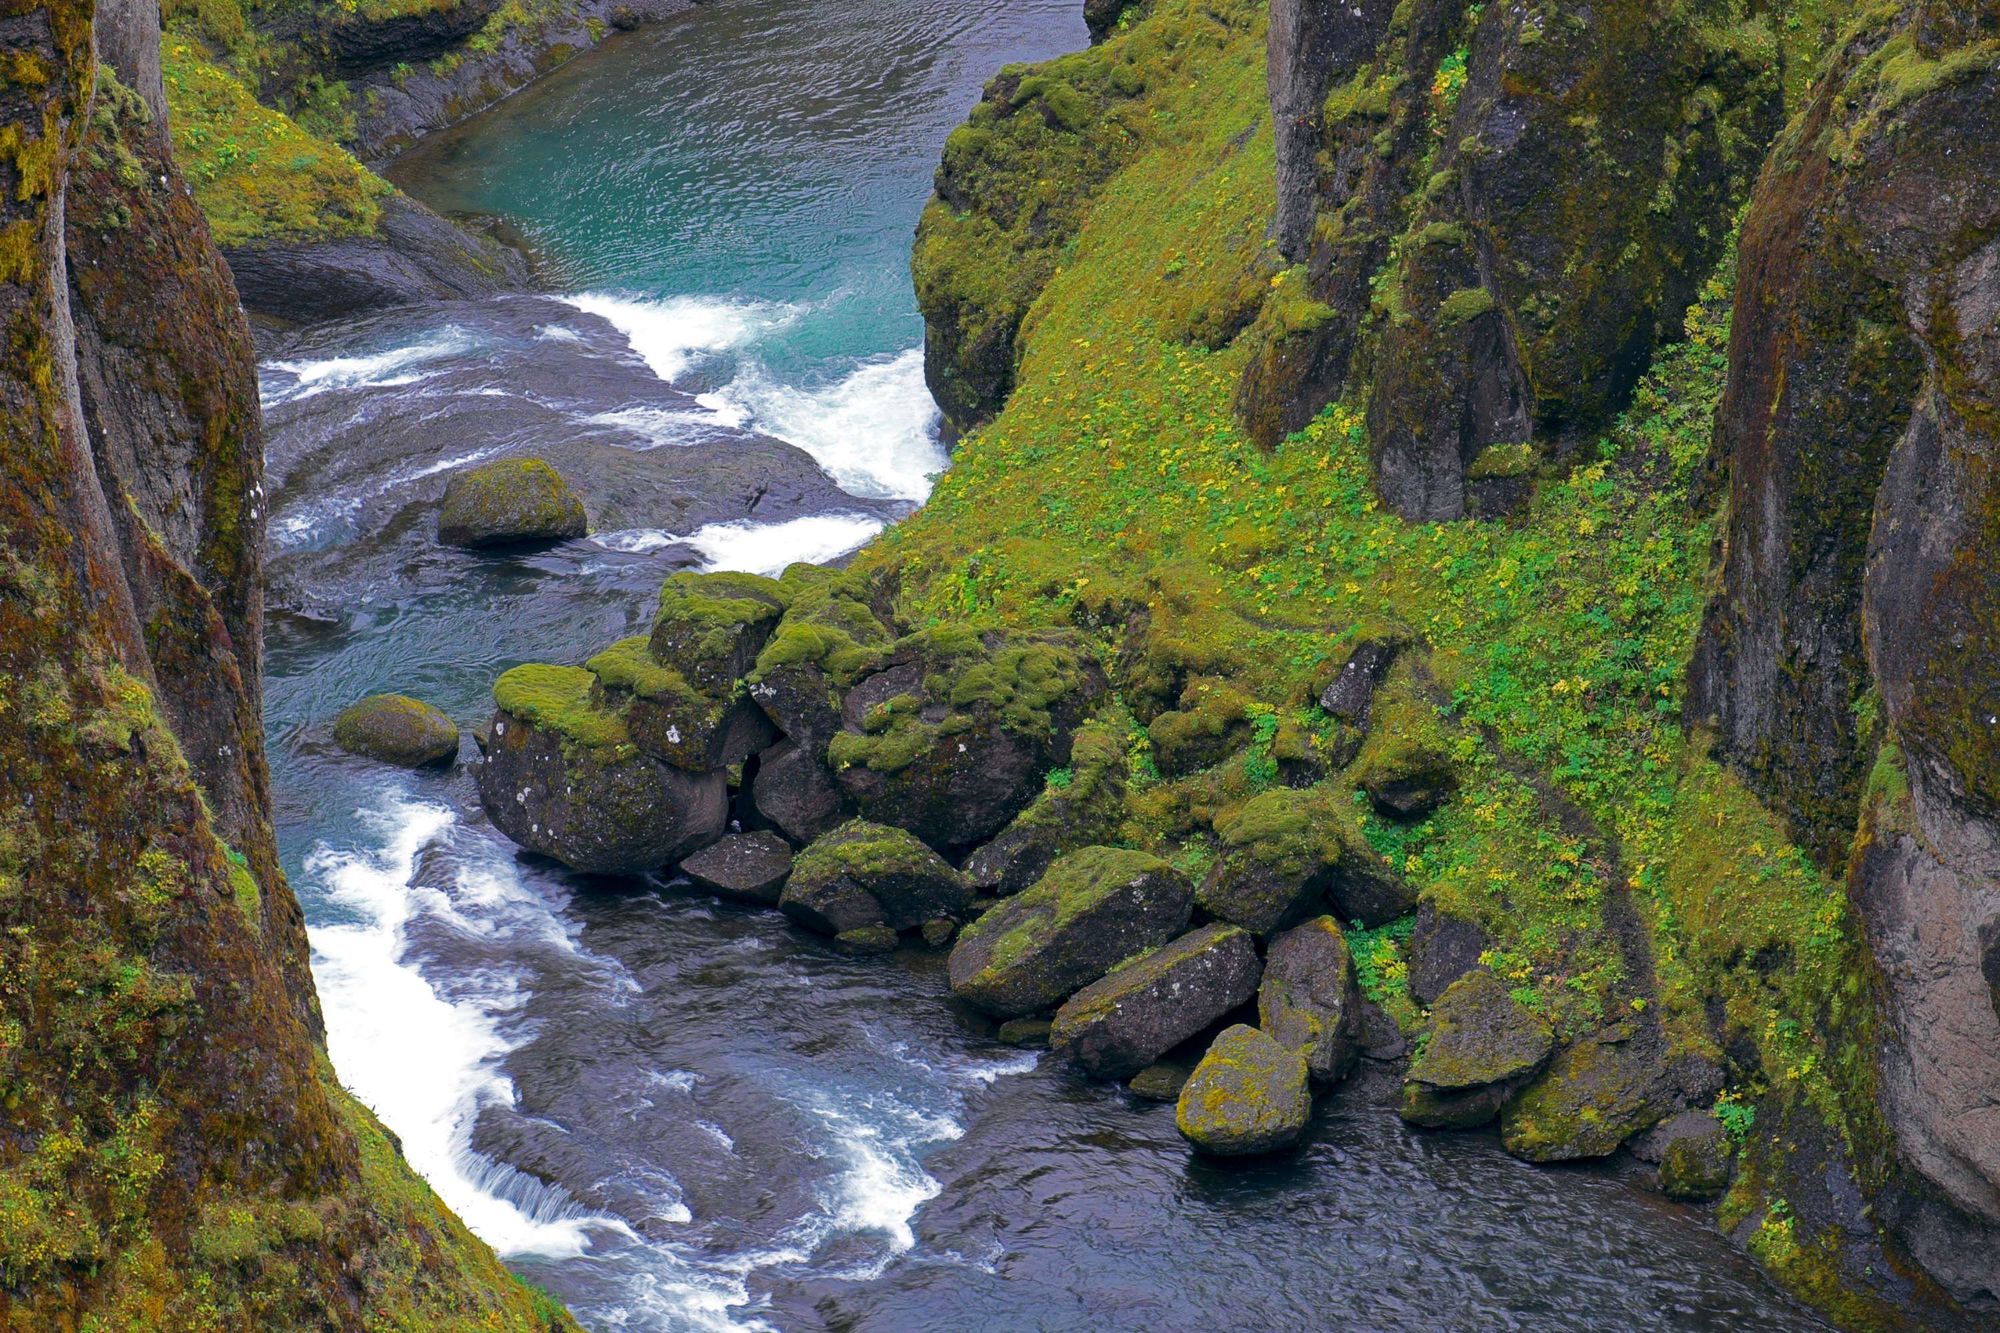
x=1122, y=1023
x=397, y=729
x=751, y=867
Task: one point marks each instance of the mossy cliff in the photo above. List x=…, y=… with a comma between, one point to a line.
x=177, y=1153
x=1206, y=366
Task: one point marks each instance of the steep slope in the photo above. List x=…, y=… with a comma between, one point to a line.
x=176, y=1152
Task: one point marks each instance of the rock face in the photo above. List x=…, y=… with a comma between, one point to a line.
x=1511, y=285
x=562, y=777
x=1310, y=1001
x=1119, y=1024
x=1484, y=1047
x=163, y=1067
x=1092, y=910
x=1859, y=433
x=397, y=730
x=863, y=875
x=1248, y=1095
x=512, y=501
x=750, y=867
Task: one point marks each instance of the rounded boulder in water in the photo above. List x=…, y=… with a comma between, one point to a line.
x=1248, y=1095
x=397, y=729
x=510, y=502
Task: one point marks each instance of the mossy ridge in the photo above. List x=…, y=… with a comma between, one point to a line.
x=565, y=700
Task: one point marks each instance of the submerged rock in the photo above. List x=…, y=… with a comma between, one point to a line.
x=397, y=729
x=1309, y=1000
x=1091, y=910
x=1595, y=1096
x=1484, y=1046
x=562, y=777
x=1248, y=1095
x=751, y=867
x=1161, y=1082
x=513, y=500
x=865, y=875
x=1121, y=1023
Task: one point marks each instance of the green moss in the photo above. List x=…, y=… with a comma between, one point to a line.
x=1503, y=460
x=1464, y=306
x=1073, y=885
x=865, y=853
x=256, y=174
x=243, y=889
x=629, y=665
x=562, y=700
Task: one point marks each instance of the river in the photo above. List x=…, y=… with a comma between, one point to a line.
x=678, y=1114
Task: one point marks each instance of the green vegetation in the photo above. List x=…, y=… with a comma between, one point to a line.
x=256, y=174
x=563, y=700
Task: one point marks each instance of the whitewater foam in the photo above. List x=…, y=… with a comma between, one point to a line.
x=427, y=1063
x=671, y=335
x=875, y=431
x=745, y=547
x=379, y=370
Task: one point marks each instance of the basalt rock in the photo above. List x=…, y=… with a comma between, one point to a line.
x=1856, y=625
x=1484, y=1047
x=1406, y=765
x=797, y=794
x=1310, y=1001
x=1286, y=854
x=509, y=502
x=1083, y=810
x=1693, y=1153
x=1161, y=1082
x=711, y=627
x=750, y=867
x=1442, y=949
x=670, y=718
x=1119, y=1024
x=1249, y=1095
x=1512, y=209
x=1092, y=910
x=397, y=729
x=1594, y=1096
x=562, y=777
x=364, y=39
x=864, y=875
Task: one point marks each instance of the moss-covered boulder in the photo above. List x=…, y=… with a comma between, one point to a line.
x=952, y=734
x=711, y=627
x=1287, y=854
x=1696, y=1157
x=513, y=500
x=1248, y=1095
x=1408, y=764
x=670, y=718
x=1309, y=1000
x=397, y=729
x=749, y=867
x=1080, y=805
x=829, y=636
x=1483, y=1046
x=865, y=875
x=1123, y=1022
x=1595, y=1096
x=1211, y=724
x=562, y=777
x=1093, y=909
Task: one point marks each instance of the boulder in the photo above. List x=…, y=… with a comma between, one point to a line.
x=514, y=500
x=829, y=636
x=396, y=729
x=1161, y=1082
x=711, y=627
x=1484, y=1046
x=1309, y=1000
x=1595, y=1096
x=1360, y=664
x=1028, y=1032
x=1442, y=949
x=1285, y=853
x=750, y=867
x=1248, y=1095
x=1406, y=765
x=1211, y=724
x=869, y=939
x=1123, y=1022
x=670, y=718
x=953, y=732
x=863, y=875
x=796, y=793
x=1093, y=909
x=1696, y=1158
x=562, y=777
x=1079, y=806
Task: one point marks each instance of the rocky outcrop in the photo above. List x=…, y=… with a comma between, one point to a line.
x=1120, y=1024
x=509, y=502
x=162, y=1072
x=1512, y=207
x=397, y=729
x=413, y=255
x=1249, y=1095
x=1484, y=1047
x=1856, y=626
x=1092, y=910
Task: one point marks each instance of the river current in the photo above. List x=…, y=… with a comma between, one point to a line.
x=678, y=1114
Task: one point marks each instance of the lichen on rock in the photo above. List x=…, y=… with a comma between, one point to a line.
x=1249, y=1095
